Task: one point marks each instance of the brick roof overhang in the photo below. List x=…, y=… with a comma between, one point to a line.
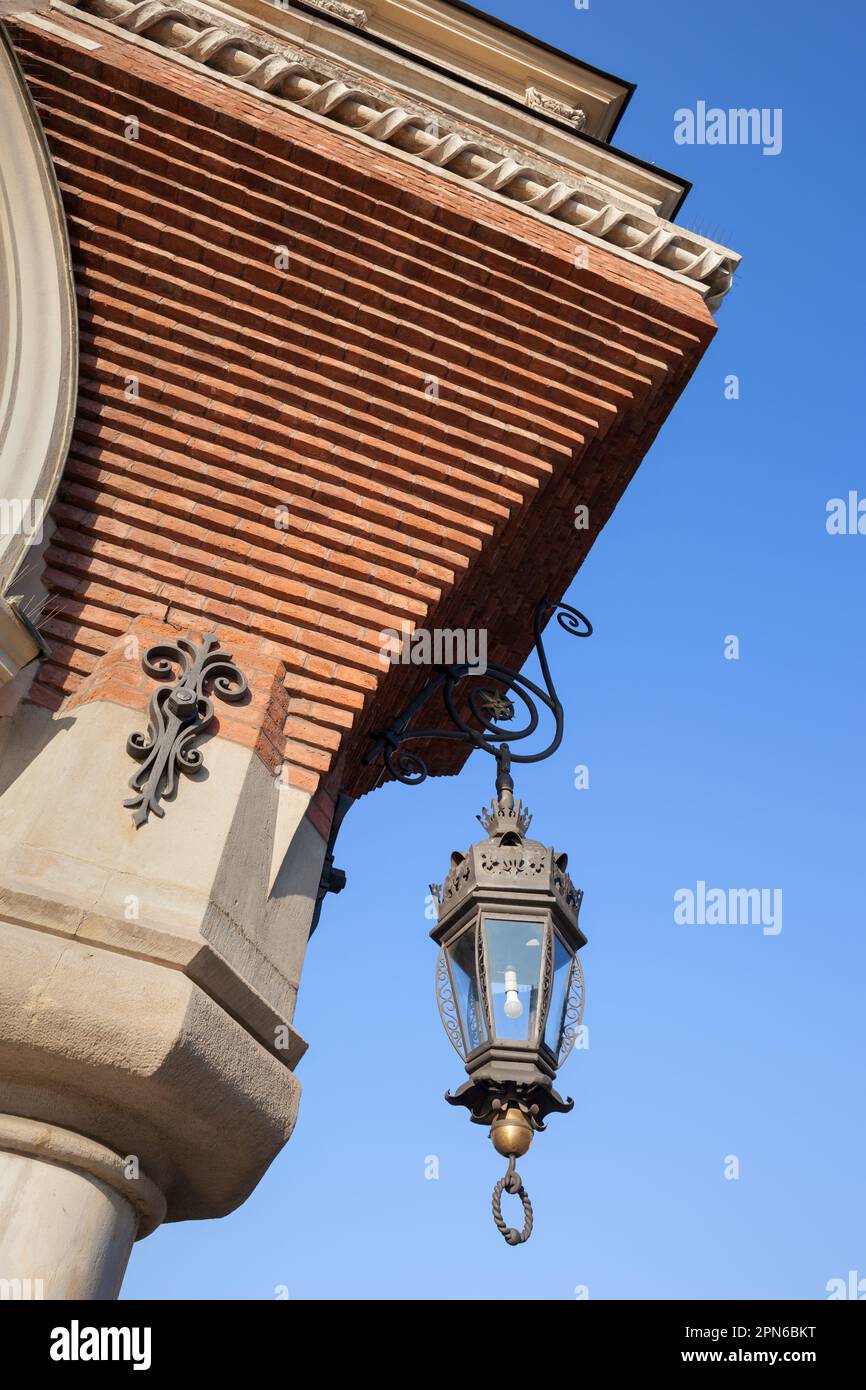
x=308, y=387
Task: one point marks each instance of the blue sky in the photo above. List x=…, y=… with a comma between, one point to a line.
x=705, y=1041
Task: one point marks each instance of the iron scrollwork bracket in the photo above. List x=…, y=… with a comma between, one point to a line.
x=490, y=707
x=177, y=715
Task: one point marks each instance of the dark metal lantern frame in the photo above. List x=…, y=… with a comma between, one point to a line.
x=509, y=877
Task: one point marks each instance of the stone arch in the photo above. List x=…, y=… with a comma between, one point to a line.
x=38, y=321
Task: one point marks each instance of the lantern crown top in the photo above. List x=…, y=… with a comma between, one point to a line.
x=505, y=817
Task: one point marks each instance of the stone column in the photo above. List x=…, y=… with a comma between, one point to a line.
x=149, y=973
x=70, y=1210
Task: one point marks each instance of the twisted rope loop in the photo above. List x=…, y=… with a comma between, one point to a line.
x=513, y=1184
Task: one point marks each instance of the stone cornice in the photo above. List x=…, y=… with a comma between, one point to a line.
x=478, y=46
x=478, y=77
x=307, y=82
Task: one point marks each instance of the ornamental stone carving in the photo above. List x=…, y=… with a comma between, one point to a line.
x=350, y=14
x=551, y=107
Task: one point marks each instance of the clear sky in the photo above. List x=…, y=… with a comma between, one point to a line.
x=705, y=1041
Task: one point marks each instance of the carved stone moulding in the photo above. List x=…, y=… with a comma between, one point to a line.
x=302, y=80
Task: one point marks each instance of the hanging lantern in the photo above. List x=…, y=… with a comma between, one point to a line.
x=509, y=981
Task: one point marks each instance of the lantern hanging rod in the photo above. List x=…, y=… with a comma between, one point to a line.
x=489, y=705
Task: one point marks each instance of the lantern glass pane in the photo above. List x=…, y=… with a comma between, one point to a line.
x=464, y=974
x=514, y=969
x=558, y=992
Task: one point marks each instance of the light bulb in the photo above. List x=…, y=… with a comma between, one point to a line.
x=513, y=1006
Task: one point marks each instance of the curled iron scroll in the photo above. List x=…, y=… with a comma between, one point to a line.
x=492, y=707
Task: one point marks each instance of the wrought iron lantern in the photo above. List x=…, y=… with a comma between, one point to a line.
x=509, y=981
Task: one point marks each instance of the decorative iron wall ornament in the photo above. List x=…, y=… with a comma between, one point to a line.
x=177, y=716
x=490, y=707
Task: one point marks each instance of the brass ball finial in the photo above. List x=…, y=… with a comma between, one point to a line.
x=511, y=1134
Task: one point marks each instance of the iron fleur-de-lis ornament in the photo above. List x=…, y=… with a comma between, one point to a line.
x=177, y=716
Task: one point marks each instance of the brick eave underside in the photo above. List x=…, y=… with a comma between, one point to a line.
x=310, y=388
